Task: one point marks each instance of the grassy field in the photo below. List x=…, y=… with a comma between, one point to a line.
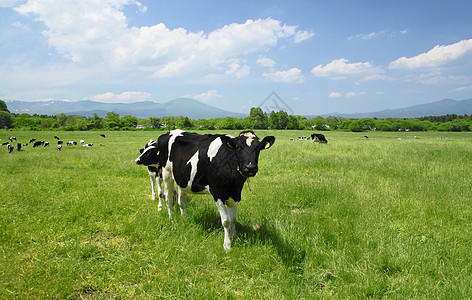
x=356, y=218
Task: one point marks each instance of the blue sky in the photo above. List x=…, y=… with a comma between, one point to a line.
x=318, y=56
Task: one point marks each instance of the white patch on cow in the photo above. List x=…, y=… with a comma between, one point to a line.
x=193, y=171
x=173, y=135
x=250, y=137
x=214, y=147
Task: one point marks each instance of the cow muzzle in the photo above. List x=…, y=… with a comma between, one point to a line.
x=249, y=170
x=138, y=161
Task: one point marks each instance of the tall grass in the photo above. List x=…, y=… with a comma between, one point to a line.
x=356, y=218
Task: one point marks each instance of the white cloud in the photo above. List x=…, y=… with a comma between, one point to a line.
x=338, y=69
x=125, y=97
x=293, y=75
x=89, y=32
x=334, y=95
x=265, y=62
x=301, y=36
x=206, y=96
x=238, y=71
x=437, y=56
x=363, y=36
x=354, y=94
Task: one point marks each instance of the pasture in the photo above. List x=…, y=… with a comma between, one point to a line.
x=355, y=218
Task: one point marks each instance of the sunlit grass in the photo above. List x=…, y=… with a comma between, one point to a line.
x=356, y=218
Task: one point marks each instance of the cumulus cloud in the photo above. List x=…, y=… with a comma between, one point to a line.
x=125, y=97
x=334, y=95
x=96, y=31
x=205, y=96
x=340, y=68
x=293, y=75
x=265, y=62
x=437, y=56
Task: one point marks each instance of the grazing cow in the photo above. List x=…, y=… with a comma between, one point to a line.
x=102, y=135
x=60, y=142
x=71, y=143
x=46, y=144
x=87, y=145
x=216, y=164
x=82, y=142
x=10, y=148
x=38, y=144
x=59, y=147
x=18, y=146
x=56, y=137
x=318, y=137
x=32, y=140
x=149, y=157
x=12, y=138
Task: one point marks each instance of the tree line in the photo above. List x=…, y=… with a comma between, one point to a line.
x=257, y=119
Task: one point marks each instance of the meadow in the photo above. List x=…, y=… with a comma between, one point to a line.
x=353, y=219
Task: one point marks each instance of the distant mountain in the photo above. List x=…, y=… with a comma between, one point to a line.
x=177, y=107
x=438, y=108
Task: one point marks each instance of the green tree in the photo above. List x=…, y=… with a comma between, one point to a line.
x=61, y=118
x=258, y=118
x=6, y=120
x=155, y=122
x=113, y=120
x=3, y=106
x=129, y=121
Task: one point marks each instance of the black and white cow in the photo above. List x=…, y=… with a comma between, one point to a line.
x=216, y=164
x=10, y=148
x=318, y=137
x=149, y=157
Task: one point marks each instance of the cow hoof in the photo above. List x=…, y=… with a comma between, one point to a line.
x=227, y=247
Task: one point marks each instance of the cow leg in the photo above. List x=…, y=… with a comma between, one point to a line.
x=182, y=200
x=159, y=192
x=232, y=210
x=226, y=221
x=169, y=191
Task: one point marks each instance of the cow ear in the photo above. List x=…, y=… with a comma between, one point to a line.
x=267, y=142
x=141, y=151
x=230, y=142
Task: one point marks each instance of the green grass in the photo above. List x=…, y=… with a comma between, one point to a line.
x=356, y=218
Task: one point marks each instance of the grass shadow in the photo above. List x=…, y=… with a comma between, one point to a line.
x=291, y=255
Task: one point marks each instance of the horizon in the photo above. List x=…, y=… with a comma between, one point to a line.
x=318, y=57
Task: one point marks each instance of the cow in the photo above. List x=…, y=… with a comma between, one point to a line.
x=87, y=145
x=59, y=147
x=12, y=138
x=38, y=144
x=56, y=137
x=10, y=148
x=46, y=144
x=18, y=146
x=102, y=135
x=318, y=137
x=32, y=140
x=149, y=157
x=71, y=143
x=212, y=163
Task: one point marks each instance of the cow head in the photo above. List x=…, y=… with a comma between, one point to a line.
x=149, y=155
x=248, y=147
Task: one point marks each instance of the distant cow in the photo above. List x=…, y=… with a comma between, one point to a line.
x=71, y=143
x=56, y=137
x=38, y=144
x=59, y=147
x=102, y=135
x=10, y=148
x=318, y=137
x=46, y=144
x=32, y=140
x=12, y=138
x=149, y=157
x=216, y=164
x=18, y=146
x=87, y=145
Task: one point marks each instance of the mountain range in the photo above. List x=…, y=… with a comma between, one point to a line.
x=197, y=110
x=177, y=107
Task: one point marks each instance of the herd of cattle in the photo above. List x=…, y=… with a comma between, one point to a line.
x=19, y=146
